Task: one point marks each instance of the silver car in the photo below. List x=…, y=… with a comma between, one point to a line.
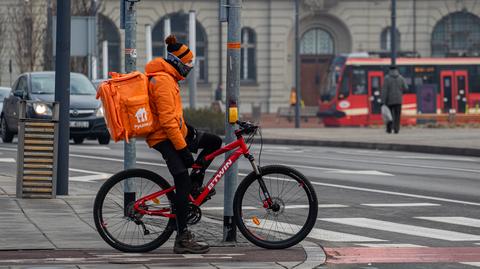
x=4, y=92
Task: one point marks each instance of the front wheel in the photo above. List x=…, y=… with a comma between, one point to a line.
x=291, y=215
x=7, y=136
x=116, y=219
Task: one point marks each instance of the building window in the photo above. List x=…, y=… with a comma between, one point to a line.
x=179, y=27
x=385, y=41
x=248, y=67
x=457, y=34
x=109, y=32
x=316, y=41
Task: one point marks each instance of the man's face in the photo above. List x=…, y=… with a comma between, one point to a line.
x=190, y=64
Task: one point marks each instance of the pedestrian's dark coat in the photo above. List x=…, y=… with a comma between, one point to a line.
x=393, y=87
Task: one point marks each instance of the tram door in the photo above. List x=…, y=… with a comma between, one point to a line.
x=375, y=83
x=454, y=90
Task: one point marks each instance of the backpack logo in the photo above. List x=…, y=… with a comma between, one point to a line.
x=141, y=115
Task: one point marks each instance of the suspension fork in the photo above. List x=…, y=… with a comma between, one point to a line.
x=267, y=202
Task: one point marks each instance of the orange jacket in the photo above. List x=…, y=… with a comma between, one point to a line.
x=166, y=104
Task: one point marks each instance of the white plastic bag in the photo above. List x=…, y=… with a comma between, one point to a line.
x=386, y=114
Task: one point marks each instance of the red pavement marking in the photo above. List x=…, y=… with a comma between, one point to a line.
x=402, y=255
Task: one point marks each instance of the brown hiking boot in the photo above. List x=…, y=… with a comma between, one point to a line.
x=185, y=243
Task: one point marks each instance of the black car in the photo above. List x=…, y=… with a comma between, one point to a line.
x=86, y=112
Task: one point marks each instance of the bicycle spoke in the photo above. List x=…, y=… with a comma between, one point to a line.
x=283, y=222
x=125, y=226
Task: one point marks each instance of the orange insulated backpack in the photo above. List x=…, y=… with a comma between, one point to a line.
x=125, y=103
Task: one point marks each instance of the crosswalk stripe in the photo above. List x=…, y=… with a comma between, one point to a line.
x=455, y=220
x=390, y=245
x=212, y=208
x=316, y=233
x=404, y=229
x=477, y=264
x=401, y=205
x=7, y=160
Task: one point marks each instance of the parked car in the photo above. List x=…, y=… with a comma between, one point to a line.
x=86, y=112
x=4, y=92
x=97, y=82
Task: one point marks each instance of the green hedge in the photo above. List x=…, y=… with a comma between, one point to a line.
x=206, y=119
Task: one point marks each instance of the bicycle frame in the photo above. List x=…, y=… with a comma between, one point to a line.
x=240, y=148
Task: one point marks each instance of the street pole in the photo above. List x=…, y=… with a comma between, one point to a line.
x=105, y=59
x=393, y=34
x=166, y=32
x=415, y=27
x=233, y=86
x=129, y=158
x=148, y=42
x=297, y=65
x=62, y=93
x=192, y=43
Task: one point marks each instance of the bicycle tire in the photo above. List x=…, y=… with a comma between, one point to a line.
x=100, y=222
x=241, y=217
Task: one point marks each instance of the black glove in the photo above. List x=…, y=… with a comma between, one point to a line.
x=186, y=156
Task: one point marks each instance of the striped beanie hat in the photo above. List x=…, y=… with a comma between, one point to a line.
x=178, y=49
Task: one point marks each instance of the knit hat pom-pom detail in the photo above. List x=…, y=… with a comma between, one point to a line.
x=171, y=40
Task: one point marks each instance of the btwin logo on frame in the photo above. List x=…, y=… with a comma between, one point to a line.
x=219, y=174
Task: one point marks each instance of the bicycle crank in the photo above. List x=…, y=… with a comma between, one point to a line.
x=194, y=214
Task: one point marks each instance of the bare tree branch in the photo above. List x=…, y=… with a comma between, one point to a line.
x=3, y=42
x=28, y=32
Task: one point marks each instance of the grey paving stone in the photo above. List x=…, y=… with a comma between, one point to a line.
x=248, y=265
x=181, y=266
x=113, y=266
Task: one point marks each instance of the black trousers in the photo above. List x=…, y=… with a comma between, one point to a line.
x=183, y=185
x=396, y=114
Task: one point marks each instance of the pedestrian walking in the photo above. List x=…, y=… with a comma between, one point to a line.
x=176, y=140
x=393, y=87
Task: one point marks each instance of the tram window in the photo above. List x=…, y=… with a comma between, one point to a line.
x=359, y=82
x=406, y=72
x=345, y=86
x=425, y=75
x=474, y=79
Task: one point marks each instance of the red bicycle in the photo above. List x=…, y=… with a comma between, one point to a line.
x=274, y=206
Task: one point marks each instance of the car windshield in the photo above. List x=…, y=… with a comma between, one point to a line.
x=45, y=84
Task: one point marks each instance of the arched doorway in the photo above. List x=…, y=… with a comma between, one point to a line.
x=108, y=31
x=457, y=34
x=317, y=49
x=179, y=27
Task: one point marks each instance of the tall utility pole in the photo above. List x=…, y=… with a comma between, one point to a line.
x=192, y=43
x=105, y=59
x=148, y=42
x=233, y=85
x=167, y=30
x=393, y=33
x=130, y=66
x=62, y=93
x=297, y=65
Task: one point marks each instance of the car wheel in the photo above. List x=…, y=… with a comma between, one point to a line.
x=7, y=137
x=104, y=140
x=78, y=140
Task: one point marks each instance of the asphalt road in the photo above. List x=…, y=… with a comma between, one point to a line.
x=383, y=201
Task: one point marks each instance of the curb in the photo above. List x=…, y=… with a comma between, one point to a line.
x=378, y=146
x=315, y=256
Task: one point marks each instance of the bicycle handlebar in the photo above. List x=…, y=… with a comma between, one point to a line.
x=246, y=127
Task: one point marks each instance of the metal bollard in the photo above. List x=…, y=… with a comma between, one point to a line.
x=37, y=148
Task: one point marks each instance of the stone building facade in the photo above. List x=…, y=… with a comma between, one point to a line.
x=440, y=28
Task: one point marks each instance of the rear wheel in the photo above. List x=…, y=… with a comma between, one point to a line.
x=7, y=136
x=291, y=216
x=123, y=227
